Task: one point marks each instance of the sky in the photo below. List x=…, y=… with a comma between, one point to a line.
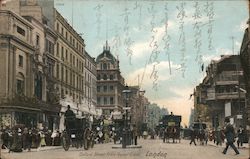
x=163, y=46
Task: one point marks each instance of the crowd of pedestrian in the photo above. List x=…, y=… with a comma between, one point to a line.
x=18, y=139
x=228, y=134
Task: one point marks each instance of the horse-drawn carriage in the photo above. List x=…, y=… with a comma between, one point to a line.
x=77, y=133
x=171, y=128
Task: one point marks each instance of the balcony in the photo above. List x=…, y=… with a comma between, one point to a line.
x=227, y=82
x=230, y=95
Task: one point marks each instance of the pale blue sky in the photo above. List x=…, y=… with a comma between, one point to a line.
x=173, y=91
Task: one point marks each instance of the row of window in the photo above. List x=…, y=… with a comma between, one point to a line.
x=88, y=94
x=70, y=39
x=105, y=66
x=226, y=89
x=88, y=77
x=105, y=88
x=105, y=100
x=105, y=77
x=88, y=65
x=69, y=57
x=69, y=77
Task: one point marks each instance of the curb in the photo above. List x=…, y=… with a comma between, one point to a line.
x=51, y=148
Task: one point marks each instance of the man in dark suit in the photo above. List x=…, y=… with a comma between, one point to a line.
x=230, y=135
x=69, y=120
x=193, y=136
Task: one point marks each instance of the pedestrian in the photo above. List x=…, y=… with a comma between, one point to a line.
x=48, y=139
x=135, y=134
x=230, y=136
x=24, y=137
x=145, y=134
x=42, y=139
x=206, y=136
x=218, y=137
x=193, y=137
x=100, y=136
x=165, y=132
x=29, y=139
x=16, y=145
x=53, y=136
x=240, y=137
x=5, y=139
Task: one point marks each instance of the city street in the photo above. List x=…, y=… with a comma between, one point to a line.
x=151, y=149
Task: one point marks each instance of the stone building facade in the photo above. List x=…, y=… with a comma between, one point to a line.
x=245, y=59
x=110, y=82
x=90, y=83
x=49, y=62
x=24, y=100
x=220, y=94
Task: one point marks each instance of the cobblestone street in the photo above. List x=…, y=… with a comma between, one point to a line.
x=151, y=149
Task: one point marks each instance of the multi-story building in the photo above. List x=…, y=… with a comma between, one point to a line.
x=110, y=83
x=220, y=92
x=75, y=70
x=90, y=83
x=53, y=69
x=27, y=48
x=245, y=60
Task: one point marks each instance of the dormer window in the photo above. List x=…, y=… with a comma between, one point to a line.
x=104, y=66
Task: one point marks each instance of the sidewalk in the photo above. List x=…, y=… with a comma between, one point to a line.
x=35, y=150
x=46, y=148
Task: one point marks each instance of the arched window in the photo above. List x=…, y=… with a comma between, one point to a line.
x=20, y=81
x=104, y=77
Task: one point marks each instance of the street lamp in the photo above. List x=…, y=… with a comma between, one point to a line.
x=125, y=139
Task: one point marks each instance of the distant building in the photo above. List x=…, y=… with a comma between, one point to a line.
x=138, y=103
x=110, y=82
x=154, y=114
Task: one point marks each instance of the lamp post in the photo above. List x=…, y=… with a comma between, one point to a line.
x=126, y=92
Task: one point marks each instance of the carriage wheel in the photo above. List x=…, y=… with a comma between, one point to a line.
x=65, y=142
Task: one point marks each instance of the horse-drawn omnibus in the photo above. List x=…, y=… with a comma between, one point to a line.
x=77, y=133
x=171, y=126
